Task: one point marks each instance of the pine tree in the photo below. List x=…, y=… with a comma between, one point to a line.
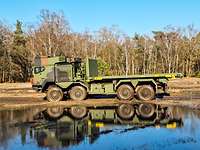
x=19, y=54
x=19, y=42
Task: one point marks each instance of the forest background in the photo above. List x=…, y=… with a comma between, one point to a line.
x=174, y=49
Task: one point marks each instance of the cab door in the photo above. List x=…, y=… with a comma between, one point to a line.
x=63, y=73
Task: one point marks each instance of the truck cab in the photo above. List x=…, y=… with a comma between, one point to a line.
x=48, y=71
x=49, y=74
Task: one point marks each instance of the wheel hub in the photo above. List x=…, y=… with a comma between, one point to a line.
x=146, y=109
x=78, y=93
x=78, y=110
x=126, y=110
x=146, y=93
x=55, y=94
x=126, y=92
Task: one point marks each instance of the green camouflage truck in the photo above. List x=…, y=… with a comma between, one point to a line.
x=77, y=79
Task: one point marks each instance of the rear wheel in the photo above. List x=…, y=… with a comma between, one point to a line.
x=55, y=112
x=54, y=94
x=125, y=111
x=146, y=110
x=145, y=92
x=125, y=92
x=78, y=93
x=78, y=112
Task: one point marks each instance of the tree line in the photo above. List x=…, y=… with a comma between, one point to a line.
x=174, y=49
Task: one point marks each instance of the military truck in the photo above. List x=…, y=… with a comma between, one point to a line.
x=77, y=79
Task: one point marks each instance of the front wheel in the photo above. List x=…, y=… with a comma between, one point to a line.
x=145, y=92
x=54, y=94
x=78, y=93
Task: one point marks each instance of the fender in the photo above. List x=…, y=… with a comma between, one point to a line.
x=149, y=81
x=45, y=84
x=134, y=83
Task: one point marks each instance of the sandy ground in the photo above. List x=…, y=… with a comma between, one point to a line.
x=183, y=92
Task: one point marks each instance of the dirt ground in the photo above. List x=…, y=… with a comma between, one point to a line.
x=183, y=92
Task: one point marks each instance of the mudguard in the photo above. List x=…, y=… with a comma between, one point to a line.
x=134, y=83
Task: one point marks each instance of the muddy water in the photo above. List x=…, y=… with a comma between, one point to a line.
x=126, y=127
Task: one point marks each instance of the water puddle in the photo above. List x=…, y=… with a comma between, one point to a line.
x=138, y=126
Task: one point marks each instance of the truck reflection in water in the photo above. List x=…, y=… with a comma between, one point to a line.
x=61, y=127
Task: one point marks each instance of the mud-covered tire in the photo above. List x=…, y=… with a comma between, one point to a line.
x=125, y=111
x=146, y=110
x=145, y=92
x=54, y=94
x=78, y=112
x=78, y=93
x=125, y=92
x=55, y=112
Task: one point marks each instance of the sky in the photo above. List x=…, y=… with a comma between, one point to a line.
x=131, y=16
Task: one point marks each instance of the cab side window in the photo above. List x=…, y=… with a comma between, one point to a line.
x=39, y=69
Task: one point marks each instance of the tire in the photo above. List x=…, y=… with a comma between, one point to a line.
x=54, y=94
x=125, y=111
x=78, y=93
x=145, y=92
x=78, y=112
x=55, y=112
x=146, y=110
x=125, y=92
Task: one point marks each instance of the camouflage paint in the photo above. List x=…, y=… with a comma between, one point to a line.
x=65, y=74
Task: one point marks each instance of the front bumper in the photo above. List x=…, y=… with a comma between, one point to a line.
x=37, y=87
